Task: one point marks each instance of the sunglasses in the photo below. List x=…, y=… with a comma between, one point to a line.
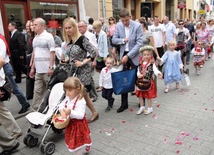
x=181, y=24
x=199, y=44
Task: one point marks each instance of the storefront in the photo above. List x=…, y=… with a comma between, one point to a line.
x=20, y=11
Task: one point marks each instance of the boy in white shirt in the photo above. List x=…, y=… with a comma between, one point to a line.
x=105, y=82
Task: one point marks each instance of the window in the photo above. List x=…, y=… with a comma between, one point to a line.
x=117, y=6
x=53, y=13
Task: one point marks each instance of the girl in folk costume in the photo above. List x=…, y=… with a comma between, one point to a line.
x=173, y=66
x=198, y=56
x=77, y=133
x=146, y=87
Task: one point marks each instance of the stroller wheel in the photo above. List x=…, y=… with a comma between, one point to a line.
x=49, y=148
x=41, y=148
x=31, y=141
x=25, y=140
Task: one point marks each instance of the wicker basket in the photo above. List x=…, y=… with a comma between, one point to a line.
x=60, y=123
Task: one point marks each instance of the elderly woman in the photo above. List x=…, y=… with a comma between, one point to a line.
x=204, y=35
x=77, y=48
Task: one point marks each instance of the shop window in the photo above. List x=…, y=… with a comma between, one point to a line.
x=53, y=13
x=117, y=6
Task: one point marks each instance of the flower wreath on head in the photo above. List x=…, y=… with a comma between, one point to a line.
x=144, y=48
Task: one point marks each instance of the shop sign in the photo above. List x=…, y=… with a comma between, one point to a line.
x=53, y=4
x=181, y=4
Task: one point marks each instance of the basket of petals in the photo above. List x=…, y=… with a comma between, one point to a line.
x=60, y=122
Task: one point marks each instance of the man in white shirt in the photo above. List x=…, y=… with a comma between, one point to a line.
x=170, y=30
x=159, y=34
x=43, y=60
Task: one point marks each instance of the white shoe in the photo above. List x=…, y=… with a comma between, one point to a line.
x=198, y=72
x=166, y=90
x=148, y=111
x=140, y=111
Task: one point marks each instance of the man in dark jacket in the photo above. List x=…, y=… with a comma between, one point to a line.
x=17, y=49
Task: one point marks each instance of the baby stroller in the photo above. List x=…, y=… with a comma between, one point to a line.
x=41, y=119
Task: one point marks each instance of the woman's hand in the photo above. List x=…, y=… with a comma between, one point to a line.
x=78, y=63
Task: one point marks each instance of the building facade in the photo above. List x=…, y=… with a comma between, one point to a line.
x=150, y=8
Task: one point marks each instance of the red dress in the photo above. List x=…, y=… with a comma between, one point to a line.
x=148, y=71
x=77, y=134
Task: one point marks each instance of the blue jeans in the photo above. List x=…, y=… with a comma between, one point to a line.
x=189, y=44
x=8, y=70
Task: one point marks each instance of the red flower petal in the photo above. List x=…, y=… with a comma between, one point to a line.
x=153, y=116
x=183, y=133
x=130, y=109
x=177, y=151
x=179, y=142
x=123, y=121
x=195, y=138
x=158, y=105
x=205, y=108
x=165, y=141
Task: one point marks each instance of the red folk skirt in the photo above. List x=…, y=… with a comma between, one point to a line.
x=151, y=93
x=77, y=134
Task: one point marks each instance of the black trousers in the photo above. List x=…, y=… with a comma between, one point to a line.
x=107, y=94
x=19, y=66
x=129, y=65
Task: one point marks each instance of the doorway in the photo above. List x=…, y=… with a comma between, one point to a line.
x=14, y=11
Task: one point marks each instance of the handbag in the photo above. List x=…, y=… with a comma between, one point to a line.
x=123, y=81
x=100, y=64
x=185, y=80
x=7, y=89
x=143, y=84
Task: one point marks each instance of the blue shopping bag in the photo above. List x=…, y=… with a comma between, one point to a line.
x=123, y=81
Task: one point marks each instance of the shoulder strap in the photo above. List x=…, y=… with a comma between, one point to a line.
x=7, y=47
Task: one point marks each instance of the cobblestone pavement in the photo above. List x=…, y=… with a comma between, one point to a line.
x=182, y=122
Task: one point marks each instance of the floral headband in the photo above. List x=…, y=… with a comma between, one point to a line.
x=146, y=47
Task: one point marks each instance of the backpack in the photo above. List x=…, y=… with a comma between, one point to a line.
x=180, y=38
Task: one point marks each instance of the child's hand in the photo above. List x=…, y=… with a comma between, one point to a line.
x=160, y=76
x=67, y=111
x=63, y=114
x=181, y=70
x=159, y=59
x=140, y=76
x=99, y=89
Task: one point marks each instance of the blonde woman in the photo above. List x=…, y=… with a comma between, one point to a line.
x=77, y=48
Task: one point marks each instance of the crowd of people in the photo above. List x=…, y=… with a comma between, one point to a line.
x=147, y=45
